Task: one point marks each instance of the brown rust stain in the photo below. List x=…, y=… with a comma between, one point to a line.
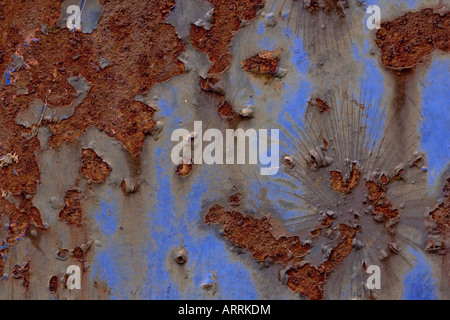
x=78, y=254
x=345, y=187
x=308, y=280
x=265, y=62
x=228, y=17
x=20, y=218
x=323, y=107
x=235, y=199
x=440, y=228
x=328, y=6
x=19, y=272
x=184, y=169
x=256, y=236
x=377, y=198
x=72, y=213
x=53, y=284
x=226, y=111
x=406, y=40
x=93, y=167
x=143, y=50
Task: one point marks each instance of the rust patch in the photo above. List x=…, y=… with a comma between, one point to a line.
x=21, y=176
x=323, y=107
x=184, y=169
x=339, y=185
x=143, y=50
x=19, y=272
x=72, y=213
x=62, y=254
x=226, y=110
x=19, y=220
x=440, y=226
x=327, y=6
x=308, y=280
x=53, y=284
x=381, y=206
x=255, y=235
x=235, y=199
x=78, y=254
x=228, y=17
x=93, y=167
x=136, y=68
x=406, y=40
x=2, y=260
x=265, y=62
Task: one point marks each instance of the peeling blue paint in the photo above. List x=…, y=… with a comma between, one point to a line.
x=419, y=283
x=435, y=128
x=107, y=216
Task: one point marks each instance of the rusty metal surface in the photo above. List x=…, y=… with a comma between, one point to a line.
x=87, y=179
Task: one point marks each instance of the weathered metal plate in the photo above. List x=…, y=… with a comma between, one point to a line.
x=94, y=90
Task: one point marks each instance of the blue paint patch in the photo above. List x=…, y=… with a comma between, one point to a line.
x=211, y=255
x=207, y=254
x=436, y=118
x=295, y=100
x=372, y=82
x=168, y=105
x=8, y=76
x=260, y=28
x=13, y=67
x=113, y=267
x=419, y=283
x=163, y=232
x=411, y=3
x=107, y=216
x=267, y=42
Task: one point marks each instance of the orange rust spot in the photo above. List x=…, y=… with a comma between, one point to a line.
x=381, y=205
x=3, y=260
x=235, y=199
x=19, y=220
x=339, y=185
x=227, y=19
x=19, y=272
x=328, y=220
x=255, y=235
x=110, y=104
x=78, y=254
x=53, y=284
x=184, y=169
x=315, y=233
x=446, y=189
x=322, y=105
x=265, y=62
x=226, y=110
x=72, y=213
x=308, y=280
x=375, y=191
x=441, y=214
x=409, y=38
x=93, y=167
x=21, y=176
x=327, y=6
